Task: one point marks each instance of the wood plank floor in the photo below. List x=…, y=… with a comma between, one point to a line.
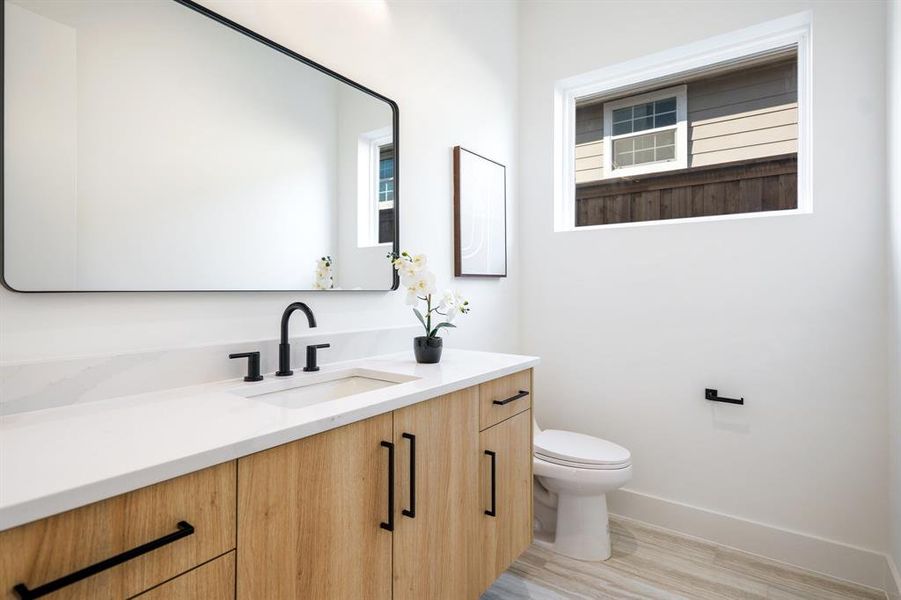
x=654, y=563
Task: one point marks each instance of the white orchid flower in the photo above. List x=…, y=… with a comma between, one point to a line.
x=419, y=262
x=448, y=300
x=423, y=284
x=453, y=303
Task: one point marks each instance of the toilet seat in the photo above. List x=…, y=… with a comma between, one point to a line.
x=576, y=450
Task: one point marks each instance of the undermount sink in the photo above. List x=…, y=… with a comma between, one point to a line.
x=307, y=389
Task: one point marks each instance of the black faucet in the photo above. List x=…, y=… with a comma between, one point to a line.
x=284, y=348
x=253, y=365
x=311, y=356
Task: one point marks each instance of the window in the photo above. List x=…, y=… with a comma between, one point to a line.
x=645, y=133
x=386, y=175
x=376, y=170
x=712, y=130
x=385, y=193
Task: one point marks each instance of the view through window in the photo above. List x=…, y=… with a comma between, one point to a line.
x=720, y=141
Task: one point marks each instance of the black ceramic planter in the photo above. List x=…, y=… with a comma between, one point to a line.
x=426, y=349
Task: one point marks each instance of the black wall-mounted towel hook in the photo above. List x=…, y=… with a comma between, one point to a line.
x=711, y=394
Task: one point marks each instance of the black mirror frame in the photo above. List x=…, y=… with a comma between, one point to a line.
x=395, y=283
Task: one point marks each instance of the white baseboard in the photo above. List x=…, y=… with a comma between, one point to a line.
x=842, y=561
x=892, y=579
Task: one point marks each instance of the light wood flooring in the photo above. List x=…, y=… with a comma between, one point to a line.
x=654, y=563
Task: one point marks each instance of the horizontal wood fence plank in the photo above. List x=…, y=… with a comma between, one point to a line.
x=741, y=187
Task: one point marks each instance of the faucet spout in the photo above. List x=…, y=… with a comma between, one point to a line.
x=284, y=347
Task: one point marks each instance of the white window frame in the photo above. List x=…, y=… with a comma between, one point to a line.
x=681, y=129
x=786, y=32
x=368, y=186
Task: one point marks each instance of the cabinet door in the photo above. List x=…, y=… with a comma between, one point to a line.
x=435, y=549
x=506, y=498
x=214, y=580
x=309, y=516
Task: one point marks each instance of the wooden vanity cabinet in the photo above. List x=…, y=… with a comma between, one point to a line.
x=310, y=515
x=396, y=507
x=435, y=553
x=313, y=515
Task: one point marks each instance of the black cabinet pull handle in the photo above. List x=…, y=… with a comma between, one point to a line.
x=184, y=530
x=390, y=524
x=493, y=511
x=521, y=394
x=411, y=512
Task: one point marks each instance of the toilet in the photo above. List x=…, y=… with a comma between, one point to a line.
x=573, y=473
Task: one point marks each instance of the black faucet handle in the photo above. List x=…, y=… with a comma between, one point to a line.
x=253, y=365
x=311, y=356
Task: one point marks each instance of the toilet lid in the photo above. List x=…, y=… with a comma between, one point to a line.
x=564, y=447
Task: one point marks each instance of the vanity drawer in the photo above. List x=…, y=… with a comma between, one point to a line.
x=504, y=397
x=214, y=580
x=191, y=519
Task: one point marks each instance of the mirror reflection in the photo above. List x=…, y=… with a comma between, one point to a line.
x=148, y=146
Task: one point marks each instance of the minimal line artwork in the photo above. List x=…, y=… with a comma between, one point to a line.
x=480, y=207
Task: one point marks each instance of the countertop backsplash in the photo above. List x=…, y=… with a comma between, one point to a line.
x=38, y=385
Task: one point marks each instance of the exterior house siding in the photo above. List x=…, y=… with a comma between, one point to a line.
x=589, y=143
x=741, y=115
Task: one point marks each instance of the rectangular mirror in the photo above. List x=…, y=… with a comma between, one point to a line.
x=151, y=145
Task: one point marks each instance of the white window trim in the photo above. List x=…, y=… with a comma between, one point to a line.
x=793, y=30
x=681, y=128
x=368, y=186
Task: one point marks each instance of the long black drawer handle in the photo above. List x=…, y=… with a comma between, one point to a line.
x=493, y=511
x=390, y=524
x=521, y=394
x=411, y=512
x=184, y=530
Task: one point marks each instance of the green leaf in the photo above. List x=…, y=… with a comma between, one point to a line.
x=439, y=326
x=421, y=319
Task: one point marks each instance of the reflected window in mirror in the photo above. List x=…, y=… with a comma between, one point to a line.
x=376, y=176
x=386, y=193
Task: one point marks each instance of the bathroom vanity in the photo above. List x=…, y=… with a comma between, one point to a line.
x=372, y=478
x=376, y=478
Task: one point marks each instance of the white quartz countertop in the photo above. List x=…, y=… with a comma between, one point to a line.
x=61, y=458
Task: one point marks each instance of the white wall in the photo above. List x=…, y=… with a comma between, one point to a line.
x=789, y=312
x=894, y=277
x=40, y=153
x=452, y=70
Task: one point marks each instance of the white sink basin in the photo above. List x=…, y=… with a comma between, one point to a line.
x=305, y=389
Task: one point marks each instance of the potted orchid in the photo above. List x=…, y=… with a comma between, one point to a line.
x=420, y=284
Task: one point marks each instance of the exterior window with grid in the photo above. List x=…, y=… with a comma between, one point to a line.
x=386, y=176
x=385, y=193
x=710, y=130
x=646, y=133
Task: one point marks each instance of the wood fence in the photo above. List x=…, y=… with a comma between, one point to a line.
x=760, y=184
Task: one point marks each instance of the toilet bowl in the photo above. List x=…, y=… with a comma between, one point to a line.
x=573, y=473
